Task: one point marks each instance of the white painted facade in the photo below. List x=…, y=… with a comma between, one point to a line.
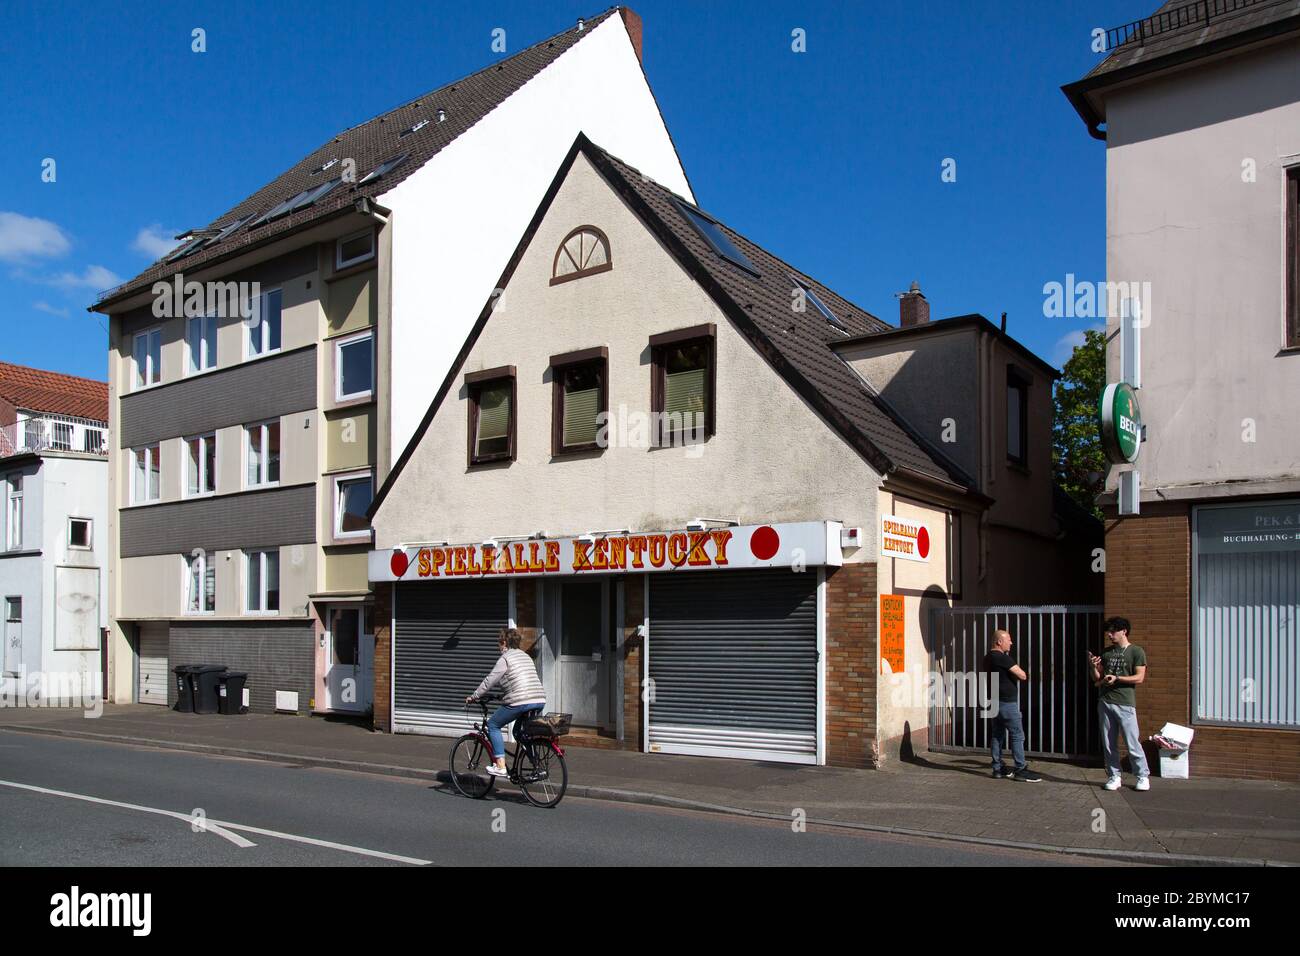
x=456, y=221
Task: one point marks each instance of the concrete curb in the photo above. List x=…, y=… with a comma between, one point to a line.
x=662, y=800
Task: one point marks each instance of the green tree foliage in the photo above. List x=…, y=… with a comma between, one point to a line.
x=1077, y=458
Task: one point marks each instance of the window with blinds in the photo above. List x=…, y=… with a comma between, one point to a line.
x=578, y=406
x=492, y=425
x=683, y=389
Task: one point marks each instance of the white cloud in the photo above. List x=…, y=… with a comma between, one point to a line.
x=1068, y=342
x=46, y=307
x=94, y=277
x=23, y=238
x=154, y=241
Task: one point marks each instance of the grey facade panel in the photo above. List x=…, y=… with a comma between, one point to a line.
x=250, y=392
x=252, y=519
x=276, y=656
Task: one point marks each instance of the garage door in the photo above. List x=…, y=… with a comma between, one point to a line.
x=734, y=661
x=153, y=678
x=444, y=644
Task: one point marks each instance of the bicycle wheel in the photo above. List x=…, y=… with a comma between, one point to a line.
x=469, y=760
x=543, y=774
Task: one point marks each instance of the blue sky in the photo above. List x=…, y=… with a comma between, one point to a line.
x=830, y=158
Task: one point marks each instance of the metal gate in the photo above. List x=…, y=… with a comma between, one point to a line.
x=1057, y=702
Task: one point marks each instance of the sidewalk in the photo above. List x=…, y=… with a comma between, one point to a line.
x=1178, y=821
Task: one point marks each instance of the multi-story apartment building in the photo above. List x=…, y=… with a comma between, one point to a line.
x=247, y=441
x=1201, y=108
x=53, y=492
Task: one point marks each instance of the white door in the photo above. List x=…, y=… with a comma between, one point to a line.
x=13, y=635
x=154, y=675
x=582, y=661
x=349, y=652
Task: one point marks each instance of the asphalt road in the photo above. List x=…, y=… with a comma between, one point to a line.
x=85, y=803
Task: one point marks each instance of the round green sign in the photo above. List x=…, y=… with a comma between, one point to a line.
x=1121, y=423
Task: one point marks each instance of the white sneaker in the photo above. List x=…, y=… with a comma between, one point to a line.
x=1114, y=783
x=1144, y=783
x=496, y=771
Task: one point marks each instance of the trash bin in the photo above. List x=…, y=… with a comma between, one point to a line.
x=184, y=688
x=230, y=692
x=205, y=678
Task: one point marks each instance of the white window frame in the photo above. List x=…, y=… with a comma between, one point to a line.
x=202, y=465
x=150, y=371
x=340, y=262
x=247, y=453
x=206, y=564
x=339, y=396
x=14, y=512
x=207, y=357
x=260, y=557
x=261, y=327
x=337, y=513
x=131, y=479
x=90, y=534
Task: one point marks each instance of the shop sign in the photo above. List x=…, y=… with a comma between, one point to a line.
x=1248, y=529
x=1121, y=423
x=893, y=624
x=904, y=538
x=796, y=545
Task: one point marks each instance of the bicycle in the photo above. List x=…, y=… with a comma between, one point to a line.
x=536, y=766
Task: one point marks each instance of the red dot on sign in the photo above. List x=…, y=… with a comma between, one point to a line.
x=764, y=542
x=398, y=563
x=923, y=543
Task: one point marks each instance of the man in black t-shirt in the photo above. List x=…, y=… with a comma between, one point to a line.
x=1007, y=722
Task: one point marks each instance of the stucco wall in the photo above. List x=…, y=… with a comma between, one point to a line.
x=771, y=459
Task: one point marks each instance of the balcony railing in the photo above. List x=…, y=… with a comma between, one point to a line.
x=1202, y=13
x=53, y=433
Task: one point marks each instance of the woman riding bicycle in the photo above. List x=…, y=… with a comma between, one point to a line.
x=521, y=690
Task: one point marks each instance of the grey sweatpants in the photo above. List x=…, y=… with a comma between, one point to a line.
x=1114, y=718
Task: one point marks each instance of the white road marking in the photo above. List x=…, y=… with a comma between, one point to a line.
x=223, y=828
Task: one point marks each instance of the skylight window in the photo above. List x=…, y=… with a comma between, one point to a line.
x=416, y=128
x=818, y=304
x=715, y=236
x=299, y=201
x=227, y=230
x=384, y=168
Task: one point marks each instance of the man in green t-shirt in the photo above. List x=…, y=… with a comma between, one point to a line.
x=1116, y=674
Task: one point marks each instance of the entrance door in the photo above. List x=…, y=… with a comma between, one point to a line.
x=13, y=635
x=582, y=663
x=348, y=681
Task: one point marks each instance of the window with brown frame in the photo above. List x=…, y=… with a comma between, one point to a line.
x=1017, y=416
x=491, y=433
x=682, y=384
x=579, y=399
x=1293, y=257
x=584, y=252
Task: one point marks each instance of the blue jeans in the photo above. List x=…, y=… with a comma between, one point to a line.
x=1008, y=721
x=1116, y=719
x=503, y=716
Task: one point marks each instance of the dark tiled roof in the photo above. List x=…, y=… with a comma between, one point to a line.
x=54, y=393
x=1184, y=25
x=465, y=102
x=798, y=344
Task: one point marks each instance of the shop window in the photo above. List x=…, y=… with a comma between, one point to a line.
x=491, y=415
x=1017, y=417
x=579, y=399
x=584, y=252
x=682, y=386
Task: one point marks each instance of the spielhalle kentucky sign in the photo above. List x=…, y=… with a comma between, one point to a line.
x=797, y=545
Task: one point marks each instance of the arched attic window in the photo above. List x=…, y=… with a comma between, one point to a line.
x=584, y=252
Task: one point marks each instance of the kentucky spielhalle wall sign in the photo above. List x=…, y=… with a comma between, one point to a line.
x=904, y=538
x=796, y=545
x=1121, y=423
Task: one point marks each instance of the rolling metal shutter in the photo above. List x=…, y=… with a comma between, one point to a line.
x=445, y=642
x=154, y=674
x=733, y=658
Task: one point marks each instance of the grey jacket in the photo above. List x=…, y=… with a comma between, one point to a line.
x=515, y=672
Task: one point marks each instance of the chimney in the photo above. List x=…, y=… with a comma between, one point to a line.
x=913, y=309
x=633, y=24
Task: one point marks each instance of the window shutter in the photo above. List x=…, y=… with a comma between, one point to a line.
x=580, y=411
x=684, y=395
x=493, y=416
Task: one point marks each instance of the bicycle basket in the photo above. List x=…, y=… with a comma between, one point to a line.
x=548, y=725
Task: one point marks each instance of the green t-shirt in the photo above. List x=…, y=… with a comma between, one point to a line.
x=1122, y=662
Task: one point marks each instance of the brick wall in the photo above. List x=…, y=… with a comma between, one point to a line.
x=633, y=615
x=1148, y=581
x=381, y=616
x=851, y=655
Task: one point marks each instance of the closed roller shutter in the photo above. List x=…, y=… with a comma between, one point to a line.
x=445, y=642
x=733, y=657
x=154, y=675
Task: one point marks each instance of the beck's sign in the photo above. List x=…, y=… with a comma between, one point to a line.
x=1121, y=423
x=797, y=545
x=904, y=538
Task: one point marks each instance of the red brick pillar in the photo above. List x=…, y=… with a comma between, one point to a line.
x=381, y=616
x=851, y=665
x=633, y=616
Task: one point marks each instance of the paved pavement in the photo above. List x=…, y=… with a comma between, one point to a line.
x=94, y=803
x=1203, y=818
